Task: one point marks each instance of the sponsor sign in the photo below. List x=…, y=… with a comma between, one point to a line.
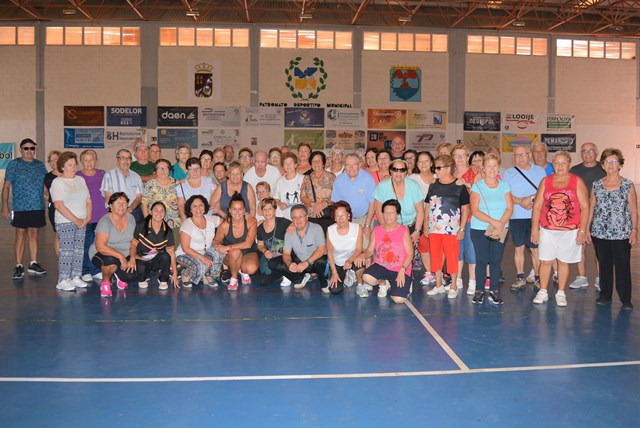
x=481, y=140
x=6, y=154
x=178, y=116
x=512, y=140
x=84, y=138
x=212, y=138
x=171, y=138
x=481, y=121
x=263, y=116
x=127, y=116
x=123, y=138
x=349, y=140
x=311, y=117
x=344, y=118
x=386, y=119
x=314, y=137
x=220, y=117
x=83, y=116
x=426, y=119
x=520, y=122
x=425, y=140
x=382, y=139
x=560, y=122
x=557, y=142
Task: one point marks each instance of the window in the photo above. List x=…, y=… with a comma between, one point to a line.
x=26, y=36
x=240, y=37
x=204, y=37
x=423, y=42
x=491, y=44
x=7, y=35
x=404, y=42
x=507, y=45
x=268, y=38
x=92, y=36
x=168, y=36
x=440, y=43
x=130, y=36
x=186, y=37
x=523, y=46
x=304, y=39
x=371, y=41
x=343, y=40
x=111, y=36
x=287, y=39
x=597, y=49
x=474, y=44
x=388, y=41
x=73, y=36
x=55, y=36
x=324, y=39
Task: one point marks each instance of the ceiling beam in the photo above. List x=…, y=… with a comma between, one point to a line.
x=83, y=10
x=23, y=5
x=472, y=7
x=188, y=8
x=363, y=5
x=135, y=9
x=245, y=7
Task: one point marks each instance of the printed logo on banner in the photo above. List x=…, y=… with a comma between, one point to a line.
x=83, y=138
x=83, y=116
x=481, y=121
x=178, y=116
x=6, y=154
x=306, y=83
x=127, y=116
x=520, y=121
x=405, y=83
x=557, y=142
x=203, y=80
x=303, y=117
x=172, y=138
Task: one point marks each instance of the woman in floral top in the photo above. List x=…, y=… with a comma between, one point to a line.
x=163, y=189
x=315, y=191
x=613, y=228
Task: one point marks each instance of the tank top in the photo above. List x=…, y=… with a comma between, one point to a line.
x=225, y=197
x=390, y=251
x=229, y=239
x=560, y=207
x=343, y=245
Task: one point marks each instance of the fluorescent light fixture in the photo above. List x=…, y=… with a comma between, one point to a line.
x=69, y=11
x=306, y=16
x=616, y=27
x=405, y=18
x=519, y=23
x=194, y=12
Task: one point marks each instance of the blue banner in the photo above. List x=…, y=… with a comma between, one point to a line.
x=6, y=154
x=171, y=138
x=311, y=117
x=127, y=116
x=84, y=138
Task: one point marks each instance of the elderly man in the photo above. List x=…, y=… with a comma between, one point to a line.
x=229, y=154
x=155, y=153
x=262, y=171
x=303, y=252
x=523, y=179
x=143, y=165
x=398, y=146
x=337, y=160
x=245, y=159
x=539, y=152
x=122, y=179
x=24, y=178
x=590, y=171
x=356, y=188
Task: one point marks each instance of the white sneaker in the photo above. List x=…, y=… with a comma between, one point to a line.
x=325, y=290
x=452, y=294
x=362, y=290
x=66, y=285
x=285, y=282
x=87, y=277
x=541, y=297
x=428, y=279
x=532, y=277
x=143, y=284
x=303, y=283
x=472, y=287
x=163, y=286
x=579, y=282
x=597, y=283
x=459, y=283
x=561, y=299
x=436, y=290
x=78, y=283
x=383, y=289
x=98, y=276
x=369, y=287
x=349, y=278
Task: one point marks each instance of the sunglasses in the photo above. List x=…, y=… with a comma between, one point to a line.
x=438, y=168
x=33, y=149
x=398, y=169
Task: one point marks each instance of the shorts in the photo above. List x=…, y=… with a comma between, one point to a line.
x=521, y=232
x=559, y=244
x=381, y=272
x=424, y=245
x=28, y=219
x=447, y=246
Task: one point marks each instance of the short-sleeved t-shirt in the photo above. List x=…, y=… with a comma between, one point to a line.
x=207, y=186
x=303, y=248
x=143, y=169
x=492, y=202
x=357, y=192
x=412, y=195
x=588, y=174
x=274, y=240
x=445, y=207
x=27, y=184
x=98, y=206
x=288, y=191
x=73, y=192
x=119, y=241
x=152, y=243
x=520, y=187
x=201, y=240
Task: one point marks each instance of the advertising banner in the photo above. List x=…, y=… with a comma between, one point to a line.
x=311, y=117
x=123, y=138
x=219, y=117
x=345, y=118
x=557, y=142
x=520, y=122
x=178, y=116
x=263, y=116
x=313, y=137
x=127, y=116
x=84, y=138
x=212, y=138
x=386, y=119
x=382, y=139
x=83, y=116
x=560, y=122
x=425, y=140
x=481, y=121
x=6, y=154
x=427, y=119
x=481, y=140
x=171, y=138
x=511, y=140
x=349, y=140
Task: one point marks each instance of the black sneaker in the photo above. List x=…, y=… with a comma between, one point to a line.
x=628, y=306
x=18, y=272
x=603, y=300
x=36, y=269
x=494, y=297
x=478, y=297
x=225, y=276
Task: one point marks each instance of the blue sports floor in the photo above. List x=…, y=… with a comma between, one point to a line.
x=264, y=357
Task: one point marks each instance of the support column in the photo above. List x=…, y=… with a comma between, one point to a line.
x=149, y=52
x=358, y=51
x=40, y=45
x=457, y=83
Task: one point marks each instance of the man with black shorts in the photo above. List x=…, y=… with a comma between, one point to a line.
x=25, y=179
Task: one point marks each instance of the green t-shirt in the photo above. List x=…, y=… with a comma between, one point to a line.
x=146, y=169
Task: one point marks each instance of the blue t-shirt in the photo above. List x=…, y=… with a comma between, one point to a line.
x=493, y=200
x=520, y=187
x=549, y=169
x=27, y=184
x=412, y=196
x=358, y=193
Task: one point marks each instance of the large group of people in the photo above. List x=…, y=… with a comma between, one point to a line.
x=371, y=218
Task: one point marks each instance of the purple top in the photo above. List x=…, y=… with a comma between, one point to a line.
x=98, y=205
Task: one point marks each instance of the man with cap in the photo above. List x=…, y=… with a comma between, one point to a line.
x=24, y=178
x=142, y=165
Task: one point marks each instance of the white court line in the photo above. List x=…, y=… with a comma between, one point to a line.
x=437, y=337
x=312, y=376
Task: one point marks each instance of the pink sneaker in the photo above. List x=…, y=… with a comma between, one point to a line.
x=233, y=284
x=121, y=284
x=246, y=279
x=105, y=289
x=487, y=284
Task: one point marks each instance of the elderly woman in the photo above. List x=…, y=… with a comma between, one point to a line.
x=383, y=159
x=235, y=240
x=195, y=184
x=93, y=179
x=392, y=251
x=407, y=192
x=52, y=160
x=153, y=249
x=337, y=160
x=206, y=160
x=275, y=159
x=410, y=157
x=196, y=255
x=315, y=191
x=162, y=189
x=613, y=221
x=220, y=172
x=491, y=207
x=179, y=169
x=235, y=184
x=344, y=246
x=110, y=251
x=270, y=237
x=370, y=160
x=559, y=221
x=263, y=191
x=218, y=155
x=287, y=191
x=71, y=198
x=425, y=178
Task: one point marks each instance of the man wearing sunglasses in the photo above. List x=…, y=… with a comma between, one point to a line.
x=24, y=178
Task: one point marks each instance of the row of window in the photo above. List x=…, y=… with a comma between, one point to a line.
x=207, y=37
x=408, y=42
x=305, y=39
x=93, y=36
x=595, y=49
x=507, y=45
x=23, y=36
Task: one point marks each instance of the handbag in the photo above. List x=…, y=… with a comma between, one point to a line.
x=326, y=213
x=490, y=233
